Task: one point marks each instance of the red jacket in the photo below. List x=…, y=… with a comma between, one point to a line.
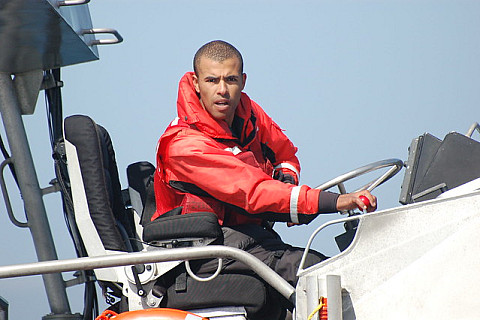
x=202, y=166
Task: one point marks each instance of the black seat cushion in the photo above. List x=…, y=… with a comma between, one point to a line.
x=192, y=225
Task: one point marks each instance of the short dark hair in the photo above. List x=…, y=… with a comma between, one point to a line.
x=217, y=50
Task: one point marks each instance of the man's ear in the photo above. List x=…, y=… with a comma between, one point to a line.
x=195, y=83
x=244, y=78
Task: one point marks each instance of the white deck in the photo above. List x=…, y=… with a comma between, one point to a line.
x=420, y=261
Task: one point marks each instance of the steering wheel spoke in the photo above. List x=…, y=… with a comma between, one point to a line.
x=341, y=188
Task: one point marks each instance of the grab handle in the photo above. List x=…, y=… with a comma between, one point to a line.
x=472, y=129
x=118, y=37
x=62, y=3
x=8, y=204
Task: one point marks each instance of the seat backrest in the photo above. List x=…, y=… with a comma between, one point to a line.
x=140, y=188
x=421, y=152
x=435, y=166
x=100, y=213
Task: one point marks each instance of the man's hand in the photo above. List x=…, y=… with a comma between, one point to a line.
x=351, y=201
x=285, y=177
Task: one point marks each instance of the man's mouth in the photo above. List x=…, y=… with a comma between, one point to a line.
x=222, y=103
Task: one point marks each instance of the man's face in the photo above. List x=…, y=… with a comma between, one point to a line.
x=220, y=85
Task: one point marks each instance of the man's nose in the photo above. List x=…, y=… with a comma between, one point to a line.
x=222, y=88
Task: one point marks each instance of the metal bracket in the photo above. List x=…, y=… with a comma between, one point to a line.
x=49, y=82
x=54, y=187
x=79, y=278
x=27, y=86
x=441, y=186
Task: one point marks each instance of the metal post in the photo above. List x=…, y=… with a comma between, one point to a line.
x=334, y=295
x=312, y=296
x=31, y=193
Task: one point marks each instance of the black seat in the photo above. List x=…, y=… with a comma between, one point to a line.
x=101, y=183
x=101, y=217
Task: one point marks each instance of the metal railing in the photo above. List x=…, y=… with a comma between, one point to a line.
x=127, y=259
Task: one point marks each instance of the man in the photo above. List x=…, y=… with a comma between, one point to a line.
x=225, y=155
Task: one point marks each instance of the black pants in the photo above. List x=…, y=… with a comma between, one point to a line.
x=262, y=243
x=267, y=246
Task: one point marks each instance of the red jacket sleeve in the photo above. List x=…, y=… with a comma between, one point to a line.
x=282, y=149
x=193, y=158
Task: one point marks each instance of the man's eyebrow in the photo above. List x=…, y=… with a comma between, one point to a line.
x=236, y=76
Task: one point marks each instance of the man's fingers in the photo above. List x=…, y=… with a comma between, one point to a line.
x=371, y=199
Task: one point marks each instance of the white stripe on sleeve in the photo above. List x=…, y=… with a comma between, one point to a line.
x=294, y=203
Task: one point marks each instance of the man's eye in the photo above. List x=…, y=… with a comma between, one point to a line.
x=232, y=79
x=210, y=80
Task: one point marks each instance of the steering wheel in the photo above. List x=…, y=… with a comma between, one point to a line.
x=395, y=166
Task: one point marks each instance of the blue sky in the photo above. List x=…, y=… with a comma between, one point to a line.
x=351, y=82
